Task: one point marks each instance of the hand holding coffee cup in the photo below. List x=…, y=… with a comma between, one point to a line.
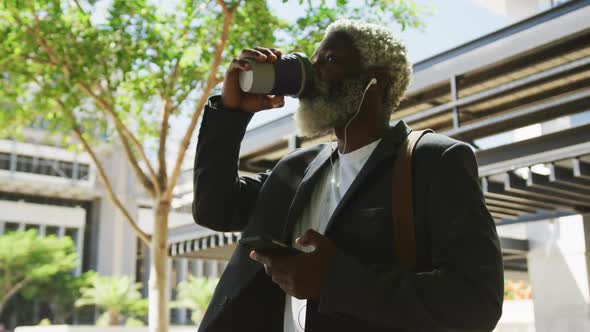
x=289, y=75
x=233, y=97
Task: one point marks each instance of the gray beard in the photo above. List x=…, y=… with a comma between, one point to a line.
x=329, y=105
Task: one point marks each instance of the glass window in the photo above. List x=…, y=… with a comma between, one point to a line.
x=73, y=234
x=5, y=161
x=47, y=167
x=28, y=226
x=51, y=230
x=10, y=227
x=67, y=168
x=24, y=164
x=83, y=171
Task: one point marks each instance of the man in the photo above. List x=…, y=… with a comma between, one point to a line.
x=338, y=203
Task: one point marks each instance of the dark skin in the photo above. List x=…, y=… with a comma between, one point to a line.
x=336, y=59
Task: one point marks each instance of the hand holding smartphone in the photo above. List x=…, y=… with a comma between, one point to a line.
x=266, y=245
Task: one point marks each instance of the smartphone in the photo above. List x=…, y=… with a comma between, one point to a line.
x=263, y=244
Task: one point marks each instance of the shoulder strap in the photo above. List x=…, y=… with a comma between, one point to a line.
x=402, y=202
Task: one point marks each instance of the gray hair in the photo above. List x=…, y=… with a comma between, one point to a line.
x=378, y=47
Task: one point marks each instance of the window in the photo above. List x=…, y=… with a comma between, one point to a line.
x=73, y=234
x=83, y=171
x=66, y=168
x=47, y=167
x=28, y=226
x=52, y=230
x=11, y=227
x=24, y=164
x=4, y=161
x=44, y=166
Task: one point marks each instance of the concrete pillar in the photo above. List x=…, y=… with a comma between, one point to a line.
x=13, y=159
x=181, y=275
x=169, y=277
x=1, y=227
x=119, y=256
x=75, y=169
x=79, y=249
x=198, y=267
x=42, y=230
x=146, y=270
x=213, y=271
x=558, y=264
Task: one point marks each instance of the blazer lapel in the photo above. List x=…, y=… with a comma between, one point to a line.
x=305, y=188
x=387, y=148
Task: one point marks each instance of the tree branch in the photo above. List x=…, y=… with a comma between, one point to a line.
x=37, y=60
x=211, y=82
x=164, y=126
x=124, y=132
x=223, y=6
x=80, y=7
x=145, y=181
x=174, y=75
x=102, y=174
x=52, y=55
x=151, y=186
x=13, y=291
x=109, y=187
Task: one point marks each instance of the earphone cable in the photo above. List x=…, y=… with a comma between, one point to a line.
x=355, y=115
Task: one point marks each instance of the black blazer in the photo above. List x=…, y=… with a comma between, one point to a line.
x=460, y=283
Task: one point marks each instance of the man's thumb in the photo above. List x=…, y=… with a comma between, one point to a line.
x=310, y=238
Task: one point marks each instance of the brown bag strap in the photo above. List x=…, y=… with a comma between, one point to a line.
x=402, y=203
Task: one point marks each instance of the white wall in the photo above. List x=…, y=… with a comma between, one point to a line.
x=116, y=240
x=558, y=270
x=41, y=214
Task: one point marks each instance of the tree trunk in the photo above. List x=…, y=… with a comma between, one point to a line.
x=158, y=283
x=114, y=317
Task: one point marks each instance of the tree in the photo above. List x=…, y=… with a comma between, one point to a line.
x=26, y=258
x=118, y=296
x=195, y=294
x=133, y=72
x=60, y=292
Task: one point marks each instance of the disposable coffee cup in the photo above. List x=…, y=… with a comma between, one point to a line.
x=290, y=75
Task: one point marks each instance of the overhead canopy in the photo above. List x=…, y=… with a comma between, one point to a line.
x=215, y=245
x=539, y=178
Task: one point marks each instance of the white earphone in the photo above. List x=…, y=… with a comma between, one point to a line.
x=372, y=82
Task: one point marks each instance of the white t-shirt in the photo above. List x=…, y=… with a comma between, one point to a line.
x=329, y=190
